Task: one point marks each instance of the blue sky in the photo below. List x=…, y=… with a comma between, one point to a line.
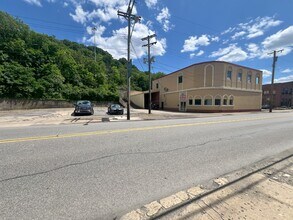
x=188, y=31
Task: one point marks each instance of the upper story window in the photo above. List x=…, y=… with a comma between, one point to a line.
x=229, y=73
x=249, y=78
x=257, y=80
x=239, y=77
x=157, y=85
x=180, y=79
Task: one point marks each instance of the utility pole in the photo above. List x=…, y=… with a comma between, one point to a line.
x=149, y=61
x=129, y=17
x=273, y=77
x=94, y=29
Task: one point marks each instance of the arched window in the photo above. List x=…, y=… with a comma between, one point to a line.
x=257, y=79
x=239, y=76
x=208, y=100
x=249, y=77
x=197, y=100
x=229, y=73
x=217, y=100
x=209, y=75
x=231, y=100
x=225, y=100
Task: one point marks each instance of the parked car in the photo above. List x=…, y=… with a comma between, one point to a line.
x=115, y=109
x=155, y=106
x=83, y=107
x=265, y=106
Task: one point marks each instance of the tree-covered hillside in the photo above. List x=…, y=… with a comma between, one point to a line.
x=37, y=66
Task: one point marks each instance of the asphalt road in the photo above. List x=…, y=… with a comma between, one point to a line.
x=103, y=170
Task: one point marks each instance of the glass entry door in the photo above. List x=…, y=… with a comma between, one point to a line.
x=182, y=106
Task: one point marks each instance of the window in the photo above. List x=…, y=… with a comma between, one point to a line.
x=190, y=101
x=157, y=85
x=239, y=77
x=208, y=102
x=257, y=80
x=231, y=101
x=229, y=75
x=180, y=79
x=217, y=101
x=225, y=101
x=249, y=78
x=197, y=101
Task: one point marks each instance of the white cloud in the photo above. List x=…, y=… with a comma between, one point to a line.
x=38, y=2
x=257, y=27
x=229, y=30
x=252, y=29
x=104, y=15
x=163, y=18
x=193, y=42
x=238, y=34
x=266, y=73
x=151, y=3
x=116, y=44
x=216, y=39
x=110, y=3
x=80, y=15
x=284, y=79
x=34, y=2
x=281, y=39
x=191, y=55
x=254, y=50
x=201, y=52
x=232, y=53
x=287, y=70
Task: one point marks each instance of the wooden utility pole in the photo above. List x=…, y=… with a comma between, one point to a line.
x=149, y=61
x=273, y=77
x=129, y=17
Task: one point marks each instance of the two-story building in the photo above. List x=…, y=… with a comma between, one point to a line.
x=282, y=94
x=214, y=86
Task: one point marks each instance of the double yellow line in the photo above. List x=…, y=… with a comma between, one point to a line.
x=83, y=134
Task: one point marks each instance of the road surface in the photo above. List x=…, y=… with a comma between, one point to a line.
x=99, y=171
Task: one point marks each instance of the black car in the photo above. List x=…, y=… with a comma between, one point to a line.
x=115, y=109
x=83, y=107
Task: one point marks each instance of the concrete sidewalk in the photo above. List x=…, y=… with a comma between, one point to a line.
x=261, y=191
x=54, y=116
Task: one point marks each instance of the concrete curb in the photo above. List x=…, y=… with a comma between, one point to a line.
x=154, y=208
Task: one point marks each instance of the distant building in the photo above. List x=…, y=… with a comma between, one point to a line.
x=282, y=94
x=214, y=86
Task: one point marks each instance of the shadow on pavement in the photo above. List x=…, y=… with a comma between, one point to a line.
x=184, y=204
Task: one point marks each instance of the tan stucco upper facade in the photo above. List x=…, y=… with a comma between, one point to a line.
x=211, y=86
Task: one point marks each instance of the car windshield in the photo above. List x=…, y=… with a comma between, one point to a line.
x=83, y=103
x=115, y=106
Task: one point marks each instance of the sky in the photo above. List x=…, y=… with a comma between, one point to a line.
x=244, y=32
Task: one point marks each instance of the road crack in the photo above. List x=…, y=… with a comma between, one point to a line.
x=123, y=154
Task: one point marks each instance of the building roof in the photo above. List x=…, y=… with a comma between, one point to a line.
x=283, y=83
x=208, y=62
